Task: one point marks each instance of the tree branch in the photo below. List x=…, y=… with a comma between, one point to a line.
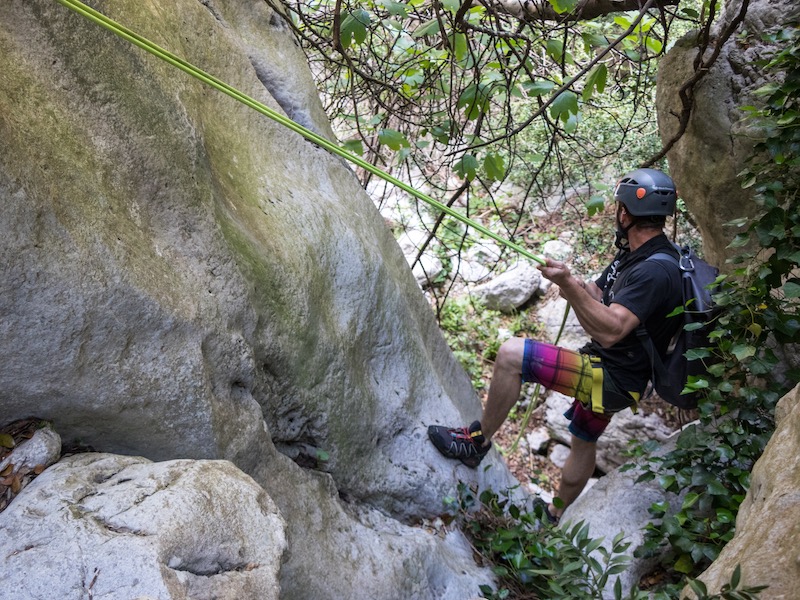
x=541, y=10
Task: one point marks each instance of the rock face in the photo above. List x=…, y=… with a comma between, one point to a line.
x=706, y=160
x=182, y=278
x=768, y=523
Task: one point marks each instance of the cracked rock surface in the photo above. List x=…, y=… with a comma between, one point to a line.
x=127, y=527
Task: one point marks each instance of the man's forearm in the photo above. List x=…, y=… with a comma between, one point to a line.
x=604, y=324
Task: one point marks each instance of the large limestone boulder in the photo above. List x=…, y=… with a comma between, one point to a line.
x=768, y=523
x=106, y=526
x=185, y=279
x=717, y=142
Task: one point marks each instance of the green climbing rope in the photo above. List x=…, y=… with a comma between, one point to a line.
x=223, y=87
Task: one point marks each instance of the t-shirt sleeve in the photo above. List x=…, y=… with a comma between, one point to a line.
x=601, y=281
x=646, y=287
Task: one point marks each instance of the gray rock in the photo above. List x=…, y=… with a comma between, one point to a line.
x=105, y=526
x=557, y=249
x=188, y=279
x=511, y=289
x=537, y=440
x=616, y=505
x=551, y=314
x=706, y=160
x=558, y=455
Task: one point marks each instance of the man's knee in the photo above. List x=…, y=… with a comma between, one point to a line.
x=510, y=355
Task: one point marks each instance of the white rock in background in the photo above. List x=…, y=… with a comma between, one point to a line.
x=556, y=201
x=429, y=266
x=551, y=315
x=558, y=455
x=537, y=440
x=510, y=290
x=485, y=252
x=472, y=271
x=616, y=504
x=557, y=249
x=478, y=263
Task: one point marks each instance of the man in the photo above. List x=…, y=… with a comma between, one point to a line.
x=611, y=372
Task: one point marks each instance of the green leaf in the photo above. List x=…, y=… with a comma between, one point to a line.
x=396, y=9
x=571, y=123
x=427, y=28
x=594, y=40
x=566, y=103
x=394, y=139
x=563, y=6
x=596, y=80
x=475, y=99
x=595, y=205
x=354, y=146
x=6, y=441
x=466, y=167
x=354, y=28
x=622, y=21
x=555, y=49
x=689, y=500
x=685, y=565
x=538, y=88
x=743, y=351
x=494, y=167
x=736, y=577
x=459, y=43
x=655, y=46
x=791, y=289
x=725, y=516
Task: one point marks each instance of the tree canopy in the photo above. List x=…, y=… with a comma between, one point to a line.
x=468, y=98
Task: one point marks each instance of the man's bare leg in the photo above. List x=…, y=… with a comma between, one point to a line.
x=576, y=472
x=505, y=386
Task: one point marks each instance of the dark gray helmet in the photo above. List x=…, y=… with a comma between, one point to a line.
x=646, y=193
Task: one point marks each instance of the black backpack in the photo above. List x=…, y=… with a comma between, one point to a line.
x=669, y=376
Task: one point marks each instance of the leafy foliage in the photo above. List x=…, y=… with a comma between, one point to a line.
x=465, y=99
x=534, y=559
x=712, y=462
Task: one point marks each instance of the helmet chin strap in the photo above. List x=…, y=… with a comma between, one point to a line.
x=621, y=235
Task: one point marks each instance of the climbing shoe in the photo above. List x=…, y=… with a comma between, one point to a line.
x=541, y=510
x=465, y=443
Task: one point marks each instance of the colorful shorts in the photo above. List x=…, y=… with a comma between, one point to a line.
x=582, y=377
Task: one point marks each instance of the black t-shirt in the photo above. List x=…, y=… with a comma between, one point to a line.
x=650, y=289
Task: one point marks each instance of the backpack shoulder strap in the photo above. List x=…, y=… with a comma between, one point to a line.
x=659, y=371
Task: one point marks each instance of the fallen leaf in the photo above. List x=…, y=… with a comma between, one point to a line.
x=6, y=440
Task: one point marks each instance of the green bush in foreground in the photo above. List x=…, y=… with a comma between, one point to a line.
x=534, y=559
